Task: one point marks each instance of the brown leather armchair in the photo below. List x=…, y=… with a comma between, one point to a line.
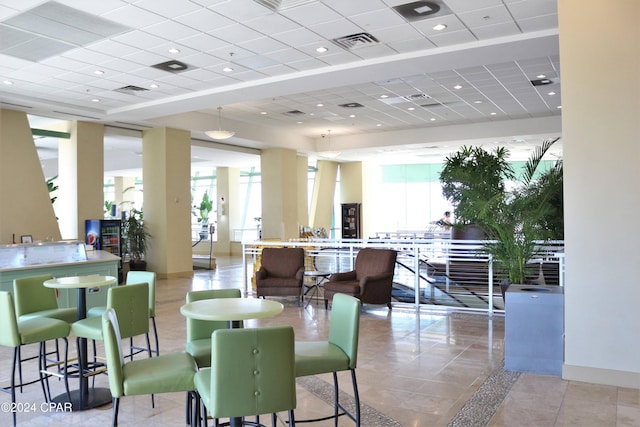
x=371, y=281
x=281, y=272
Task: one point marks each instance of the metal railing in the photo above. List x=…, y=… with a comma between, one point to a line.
x=436, y=271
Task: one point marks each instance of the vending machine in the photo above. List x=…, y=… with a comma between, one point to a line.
x=105, y=235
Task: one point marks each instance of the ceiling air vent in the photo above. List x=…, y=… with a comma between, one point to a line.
x=172, y=66
x=417, y=97
x=351, y=105
x=131, y=89
x=543, y=82
x=355, y=41
x=294, y=113
x=418, y=10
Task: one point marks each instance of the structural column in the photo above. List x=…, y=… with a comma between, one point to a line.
x=166, y=174
x=280, y=195
x=324, y=189
x=227, y=206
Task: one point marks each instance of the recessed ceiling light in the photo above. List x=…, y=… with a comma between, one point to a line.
x=384, y=96
x=432, y=119
x=263, y=112
x=457, y=87
x=477, y=102
x=7, y=82
x=379, y=124
x=440, y=27
x=322, y=49
x=352, y=116
x=493, y=113
x=95, y=100
x=559, y=107
x=174, y=50
x=541, y=76
x=154, y=86
x=551, y=93
x=411, y=108
x=98, y=72
x=320, y=105
x=299, y=123
x=227, y=69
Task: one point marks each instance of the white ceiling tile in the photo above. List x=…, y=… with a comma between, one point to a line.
x=203, y=42
x=241, y=10
x=146, y=58
x=298, y=36
x=133, y=16
x=205, y=20
x=483, y=17
x=305, y=64
x=140, y=39
x=495, y=31
x=539, y=23
x=270, y=24
x=397, y=33
x=532, y=8
x=168, y=8
x=203, y=60
x=354, y=7
x=311, y=14
x=461, y=6
x=88, y=55
x=236, y=34
x=451, y=38
x=263, y=45
x=98, y=8
x=334, y=29
x=170, y=30
x=382, y=18
x=451, y=21
x=111, y=48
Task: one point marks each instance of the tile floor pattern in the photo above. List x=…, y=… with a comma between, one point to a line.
x=413, y=370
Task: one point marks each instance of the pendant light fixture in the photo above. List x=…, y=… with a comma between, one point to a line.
x=328, y=153
x=219, y=134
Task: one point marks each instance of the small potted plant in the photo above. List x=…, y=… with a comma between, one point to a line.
x=136, y=239
x=203, y=211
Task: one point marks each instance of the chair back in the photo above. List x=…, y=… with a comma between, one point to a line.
x=344, y=325
x=260, y=364
x=113, y=352
x=282, y=262
x=32, y=296
x=371, y=262
x=131, y=302
x=9, y=333
x=149, y=277
x=202, y=329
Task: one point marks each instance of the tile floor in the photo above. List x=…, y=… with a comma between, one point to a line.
x=418, y=370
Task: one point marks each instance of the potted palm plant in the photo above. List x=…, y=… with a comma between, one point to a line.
x=514, y=220
x=136, y=239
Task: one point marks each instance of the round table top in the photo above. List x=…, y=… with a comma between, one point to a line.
x=314, y=273
x=230, y=309
x=76, y=282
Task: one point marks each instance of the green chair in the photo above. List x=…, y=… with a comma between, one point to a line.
x=199, y=331
x=339, y=353
x=134, y=277
x=16, y=333
x=252, y=372
x=131, y=304
x=33, y=299
x=168, y=373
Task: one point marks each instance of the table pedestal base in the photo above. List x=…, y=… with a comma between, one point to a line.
x=96, y=397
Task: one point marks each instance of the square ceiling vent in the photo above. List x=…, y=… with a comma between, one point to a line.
x=417, y=10
x=172, y=66
x=355, y=41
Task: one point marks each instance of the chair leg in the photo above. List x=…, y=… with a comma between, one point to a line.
x=189, y=408
x=42, y=366
x=16, y=360
x=292, y=420
x=20, y=367
x=389, y=305
x=116, y=406
x=149, y=351
x=336, y=403
x=356, y=396
x=155, y=335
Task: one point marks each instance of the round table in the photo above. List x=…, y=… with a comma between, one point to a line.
x=232, y=310
x=84, y=397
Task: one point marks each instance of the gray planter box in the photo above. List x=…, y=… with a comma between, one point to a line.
x=534, y=329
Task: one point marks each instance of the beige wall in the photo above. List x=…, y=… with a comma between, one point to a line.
x=25, y=207
x=166, y=160
x=601, y=131
x=279, y=168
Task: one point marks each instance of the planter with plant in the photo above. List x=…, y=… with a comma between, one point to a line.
x=202, y=212
x=514, y=220
x=136, y=239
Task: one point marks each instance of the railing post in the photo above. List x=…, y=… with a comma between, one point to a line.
x=490, y=281
x=416, y=267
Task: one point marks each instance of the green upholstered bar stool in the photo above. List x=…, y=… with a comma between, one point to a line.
x=131, y=304
x=199, y=331
x=168, y=373
x=134, y=277
x=339, y=353
x=33, y=299
x=252, y=372
x=16, y=333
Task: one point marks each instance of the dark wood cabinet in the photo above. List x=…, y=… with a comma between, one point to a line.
x=351, y=227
